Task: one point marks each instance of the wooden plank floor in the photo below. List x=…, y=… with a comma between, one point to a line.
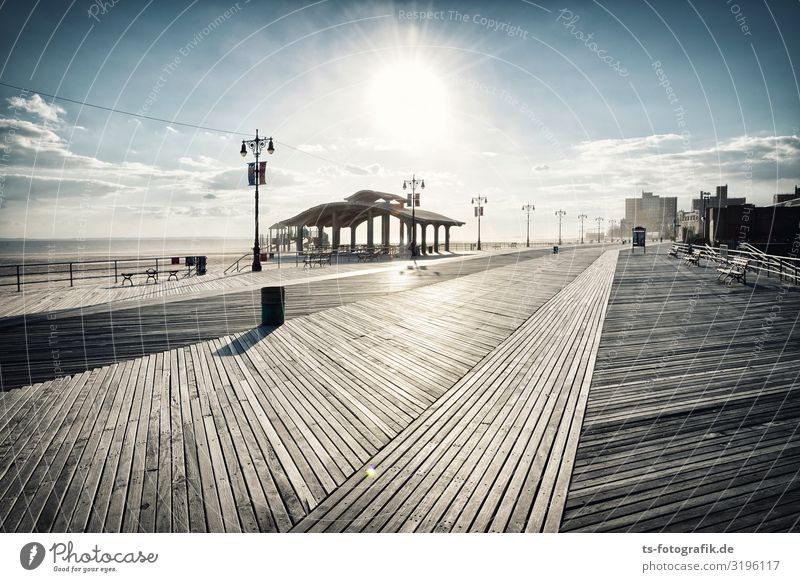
x=250, y=432
x=59, y=296
x=693, y=415
x=495, y=452
x=81, y=340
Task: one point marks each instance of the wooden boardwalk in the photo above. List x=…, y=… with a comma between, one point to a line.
x=573, y=392
x=59, y=296
x=495, y=452
x=94, y=336
x=250, y=432
x=693, y=415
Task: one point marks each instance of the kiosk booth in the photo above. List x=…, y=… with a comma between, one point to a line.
x=638, y=237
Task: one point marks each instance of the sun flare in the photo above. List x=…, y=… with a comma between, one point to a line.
x=408, y=97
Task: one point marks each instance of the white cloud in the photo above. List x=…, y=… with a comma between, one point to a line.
x=311, y=148
x=38, y=106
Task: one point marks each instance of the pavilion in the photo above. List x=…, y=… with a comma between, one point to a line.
x=364, y=207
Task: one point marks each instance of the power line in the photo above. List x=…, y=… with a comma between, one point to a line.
x=162, y=120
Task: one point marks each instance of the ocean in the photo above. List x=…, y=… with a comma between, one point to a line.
x=17, y=251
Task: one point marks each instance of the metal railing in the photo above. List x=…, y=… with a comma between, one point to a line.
x=785, y=268
x=72, y=271
x=235, y=265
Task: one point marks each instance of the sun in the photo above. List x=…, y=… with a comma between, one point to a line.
x=408, y=97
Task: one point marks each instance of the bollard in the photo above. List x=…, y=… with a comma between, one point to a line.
x=273, y=302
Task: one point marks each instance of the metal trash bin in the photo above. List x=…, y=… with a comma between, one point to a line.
x=273, y=305
x=200, y=265
x=555, y=249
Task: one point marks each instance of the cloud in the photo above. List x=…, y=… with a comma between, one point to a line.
x=200, y=162
x=614, y=168
x=37, y=106
x=315, y=148
x=352, y=169
x=210, y=196
x=541, y=168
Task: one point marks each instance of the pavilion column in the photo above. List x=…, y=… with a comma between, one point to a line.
x=436, y=238
x=402, y=233
x=353, y=228
x=299, y=239
x=447, y=238
x=320, y=234
x=424, y=228
x=334, y=232
x=385, y=230
x=370, y=231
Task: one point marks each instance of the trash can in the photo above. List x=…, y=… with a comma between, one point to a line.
x=201, y=265
x=555, y=249
x=273, y=302
x=190, y=261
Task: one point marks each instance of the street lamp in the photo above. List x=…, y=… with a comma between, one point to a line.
x=255, y=146
x=582, y=217
x=703, y=197
x=413, y=201
x=528, y=208
x=599, y=219
x=613, y=223
x=560, y=213
x=478, y=204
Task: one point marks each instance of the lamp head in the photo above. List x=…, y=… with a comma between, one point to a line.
x=243, y=151
x=270, y=147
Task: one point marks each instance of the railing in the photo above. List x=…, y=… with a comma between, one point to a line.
x=72, y=271
x=786, y=268
x=234, y=266
x=492, y=246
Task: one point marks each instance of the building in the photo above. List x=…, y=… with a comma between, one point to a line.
x=787, y=199
x=365, y=207
x=719, y=200
x=689, y=221
x=773, y=229
x=658, y=215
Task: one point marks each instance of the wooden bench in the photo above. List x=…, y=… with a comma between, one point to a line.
x=315, y=258
x=152, y=275
x=673, y=252
x=364, y=256
x=694, y=258
x=736, y=270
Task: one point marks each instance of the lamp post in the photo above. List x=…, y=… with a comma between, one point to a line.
x=478, y=203
x=560, y=213
x=255, y=146
x=703, y=197
x=528, y=208
x=599, y=219
x=413, y=202
x=613, y=223
x=582, y=217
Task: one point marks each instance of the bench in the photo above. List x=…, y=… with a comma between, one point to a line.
x=311, y=259
x=364, y=256
x=736, y=270
x=694, y=258
x=673, y=252
x=152, y=274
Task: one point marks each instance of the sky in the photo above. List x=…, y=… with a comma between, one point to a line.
x=568, y=106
